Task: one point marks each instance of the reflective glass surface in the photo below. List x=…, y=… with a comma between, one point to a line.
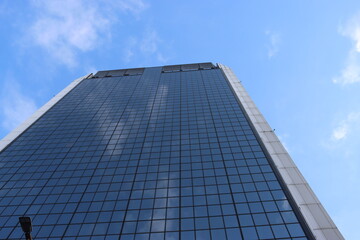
x=152, y=156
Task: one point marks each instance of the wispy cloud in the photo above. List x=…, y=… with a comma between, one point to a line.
x=150, y=41
x=68, y=27
x=15, y=106
x=147, y=46
x=340, y=132
x=283, y=139
x=129, y=49
x=351, y=72
x=345, y=127
x=274, y=43
x=133, y=6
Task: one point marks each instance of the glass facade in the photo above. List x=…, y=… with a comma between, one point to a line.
x=154, y=155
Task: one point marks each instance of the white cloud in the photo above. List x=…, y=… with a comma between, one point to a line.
x=161, y=58
x=346, y=127
x=15, y=107
x=133, y=6
x=129, y=49
x=150, y=41
x=351, y=72
x=150, y=45
x=340, y=132
x=352, y=30
x=283, y=139
x=146, y=46
x=65, y=28
x=273, y=46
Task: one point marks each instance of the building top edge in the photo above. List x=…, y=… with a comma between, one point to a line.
x=165, y=68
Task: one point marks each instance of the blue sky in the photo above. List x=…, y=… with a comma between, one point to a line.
x=299, y=61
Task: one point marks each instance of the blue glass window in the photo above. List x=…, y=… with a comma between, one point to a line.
x=155, y=155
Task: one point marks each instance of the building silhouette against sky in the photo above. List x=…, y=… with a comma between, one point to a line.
x=172, y=152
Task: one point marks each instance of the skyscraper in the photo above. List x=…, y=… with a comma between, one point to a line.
x=172, y=152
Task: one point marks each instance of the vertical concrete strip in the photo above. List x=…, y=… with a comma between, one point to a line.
x=33, y=118
x=314, y=213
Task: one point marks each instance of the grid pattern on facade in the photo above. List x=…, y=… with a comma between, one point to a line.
x=151, y=156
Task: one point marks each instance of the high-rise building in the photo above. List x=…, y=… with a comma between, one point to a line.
x=172, y=152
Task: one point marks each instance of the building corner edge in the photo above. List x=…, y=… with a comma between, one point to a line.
x=316, y=217
x=10, y=137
